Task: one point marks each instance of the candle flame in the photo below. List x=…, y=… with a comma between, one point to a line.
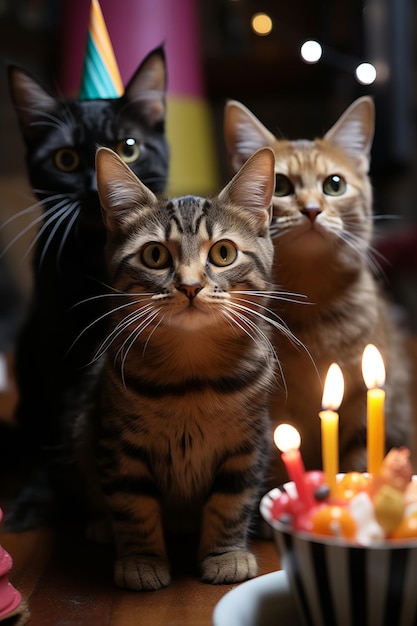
x=287, y=437
x=334, y=388
x=373, y=370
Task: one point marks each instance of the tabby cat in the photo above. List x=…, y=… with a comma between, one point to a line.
x=61, y=138
x=322, y=230
x=179, y=427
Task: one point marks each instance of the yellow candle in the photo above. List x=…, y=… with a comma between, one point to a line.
x=330, y=446
x=373, y=371
x=332, y=398
x=375, y=442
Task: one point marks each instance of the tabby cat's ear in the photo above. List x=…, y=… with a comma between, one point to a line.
x=146, y=90
x=120, y=191
x=31, y=101
x=252, y=188
x=354, y=131
x=243, y=133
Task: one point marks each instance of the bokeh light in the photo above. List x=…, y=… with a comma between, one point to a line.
x=365, y=73
x=261, y=24
x=311, y=51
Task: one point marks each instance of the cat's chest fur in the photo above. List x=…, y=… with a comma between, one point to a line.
x=185, y=445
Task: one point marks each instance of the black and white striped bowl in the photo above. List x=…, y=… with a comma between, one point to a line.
x=345, y=584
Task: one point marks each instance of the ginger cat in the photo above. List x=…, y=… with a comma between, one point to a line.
x=322, y=231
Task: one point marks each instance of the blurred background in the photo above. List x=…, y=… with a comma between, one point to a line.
x=249, y=50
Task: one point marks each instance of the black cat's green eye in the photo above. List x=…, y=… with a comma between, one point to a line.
x=283, y=186
x=155, y=256
x=334, y=185
x=128, y=150
x=67, y=159
x=223, y=253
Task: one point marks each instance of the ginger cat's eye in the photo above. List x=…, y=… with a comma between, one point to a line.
x=156, y=256
x=128, y=150
x=283, y=186
x=67, y=159
x=223, y=253
x=334, y=185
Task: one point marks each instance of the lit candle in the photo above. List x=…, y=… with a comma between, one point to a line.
x=373, y=372
x=287, y=440
x=332, y=399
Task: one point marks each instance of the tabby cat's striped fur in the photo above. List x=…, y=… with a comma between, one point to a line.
x=180, y=426
x=322, y=231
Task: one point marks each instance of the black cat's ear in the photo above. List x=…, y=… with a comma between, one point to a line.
x=147, y=88
x=252, y=188
x=354, y=131
x=31, y=101
x=121, y=192
x=243, y=133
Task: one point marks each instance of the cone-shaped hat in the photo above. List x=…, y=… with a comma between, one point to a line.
x=101, y=77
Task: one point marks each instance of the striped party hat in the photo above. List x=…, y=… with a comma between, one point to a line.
x=101, y=77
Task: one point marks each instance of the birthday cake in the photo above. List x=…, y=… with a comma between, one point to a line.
x=362, y=508
x=347, y=542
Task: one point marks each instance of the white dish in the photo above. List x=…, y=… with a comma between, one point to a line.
x=262, y=601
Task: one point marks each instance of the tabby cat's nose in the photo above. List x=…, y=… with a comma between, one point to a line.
x=311, y=212
x=190, y=290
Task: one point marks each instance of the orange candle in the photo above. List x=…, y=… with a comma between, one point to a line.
x=373, y=372
x=332, y=399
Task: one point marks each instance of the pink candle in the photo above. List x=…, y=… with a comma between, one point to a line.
x=287, y=439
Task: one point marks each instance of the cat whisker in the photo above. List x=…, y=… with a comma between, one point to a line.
x=52, y=121
x=243, y=322
x=27, y=228
x=68, y=116
x=133, y=336
x=33, y=207
x=369, y=255
x=120, y=328
x=248, y=322
x=114, y=294
x=277, y=323
x=277, y=230
x=296, y=298
x=66, y=233
x=58, y=221
x=381, y=218
x=53, y=214
x=98, y=320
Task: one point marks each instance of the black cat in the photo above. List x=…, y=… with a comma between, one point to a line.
x=61, y=332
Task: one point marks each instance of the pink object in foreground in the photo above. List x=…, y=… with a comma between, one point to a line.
x=10, y=598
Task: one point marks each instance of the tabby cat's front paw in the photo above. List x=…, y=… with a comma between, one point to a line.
x=141, y=573
x=230, y=567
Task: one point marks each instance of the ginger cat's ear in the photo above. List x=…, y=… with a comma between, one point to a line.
x=243, y=133
x=354, y=131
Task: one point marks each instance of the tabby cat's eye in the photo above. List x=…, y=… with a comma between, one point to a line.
x=156, y=256
x=223, y=253
x=334, y=185
x=67, y=159
x=128, y=150
x=283, y=186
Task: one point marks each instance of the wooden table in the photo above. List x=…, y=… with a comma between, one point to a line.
x=67, y=582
